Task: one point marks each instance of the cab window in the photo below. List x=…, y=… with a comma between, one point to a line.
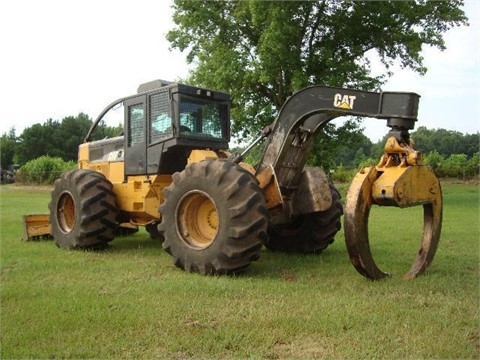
x=201, y=119
x=160, y=120
x=136, y=124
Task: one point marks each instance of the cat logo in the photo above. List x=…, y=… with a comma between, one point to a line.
x=344, y=101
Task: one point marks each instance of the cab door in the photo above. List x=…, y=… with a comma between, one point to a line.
x=135, y=136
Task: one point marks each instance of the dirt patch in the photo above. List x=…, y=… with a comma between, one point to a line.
x=303, y=348
x=21, y=187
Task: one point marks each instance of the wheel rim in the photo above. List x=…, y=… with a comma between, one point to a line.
x=197, y=219
x=66, y=214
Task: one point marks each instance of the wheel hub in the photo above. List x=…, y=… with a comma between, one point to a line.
x=66, y=213
x=197, y=219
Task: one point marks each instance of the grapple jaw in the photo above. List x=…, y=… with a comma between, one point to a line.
x=398, y=180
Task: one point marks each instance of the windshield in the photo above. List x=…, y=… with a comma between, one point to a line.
x=109, y=123
x=202, y=119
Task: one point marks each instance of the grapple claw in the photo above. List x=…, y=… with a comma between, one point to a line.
x=432, y=225
x=357, y=211
x=401, y=186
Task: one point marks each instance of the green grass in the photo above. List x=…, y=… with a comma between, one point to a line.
x=131, y=302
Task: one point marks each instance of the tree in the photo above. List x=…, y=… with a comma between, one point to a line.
x=36, y=141
x=455, y=165
x=53, y=138
x=263, y=51
x=446, y=142
x=473, y=166
x=340, y=145
x=70, y=135
x=435, y=160
x=7, y=148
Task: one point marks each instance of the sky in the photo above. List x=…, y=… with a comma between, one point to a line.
x=60, y=58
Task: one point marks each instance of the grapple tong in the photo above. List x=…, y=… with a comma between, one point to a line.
x=400, y=179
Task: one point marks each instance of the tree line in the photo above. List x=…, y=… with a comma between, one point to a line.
x=345, y=145
x=53, y=138
x=450, y=153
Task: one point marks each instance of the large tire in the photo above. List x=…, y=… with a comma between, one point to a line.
x=308, y=233
x=214, y=218
x=83, y=210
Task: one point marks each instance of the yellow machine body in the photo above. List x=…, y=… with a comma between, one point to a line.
x=141, y=196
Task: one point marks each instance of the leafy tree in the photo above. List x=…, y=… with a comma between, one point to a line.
x=72, y=131
x=455, y=165
x=37, y=140
x=435, y=160
x=44, y=170
x=473, y=165
x=339, y=146
x=53, y=138
x=471, y=143
x=354, y=148
x=7, y=148
x=263, y=51
x=59, y=138
x=446, y=142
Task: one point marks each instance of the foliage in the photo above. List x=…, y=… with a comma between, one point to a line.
x=44, y=170
x=446, y=142
x=343, y=145
x=351, y=151
x=58, y=138
x=7, y=148
x=473, y=165
x=131, y=302
x=342, y=175
x=435, y=160
x=454, y=166
x=53, y=138
x=263, y=51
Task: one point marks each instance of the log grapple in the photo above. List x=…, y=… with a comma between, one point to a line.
x=400, y=179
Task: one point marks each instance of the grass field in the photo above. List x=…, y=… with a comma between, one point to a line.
x=130, y=302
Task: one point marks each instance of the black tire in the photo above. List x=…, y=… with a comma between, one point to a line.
x=125, y=229
x=83, y=210
x=152, y=229
x=214, y=218
x=308, y=233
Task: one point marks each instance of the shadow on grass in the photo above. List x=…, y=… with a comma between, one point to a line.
x=288, y=267
x=271, y=265
x=139, y=240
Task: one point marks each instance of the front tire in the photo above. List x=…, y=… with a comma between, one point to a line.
x=83, y=210
x=214, y=218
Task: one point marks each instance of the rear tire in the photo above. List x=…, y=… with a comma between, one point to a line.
x=152, y=230
x=214, y=218
x=308, y=233
x=83, y=210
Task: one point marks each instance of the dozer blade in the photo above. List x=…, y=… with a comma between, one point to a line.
x=36, y=226
x=396, y=186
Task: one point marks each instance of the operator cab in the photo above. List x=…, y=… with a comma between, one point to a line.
x=163, y=123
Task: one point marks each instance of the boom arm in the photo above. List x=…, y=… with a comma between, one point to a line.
x=306, y=112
